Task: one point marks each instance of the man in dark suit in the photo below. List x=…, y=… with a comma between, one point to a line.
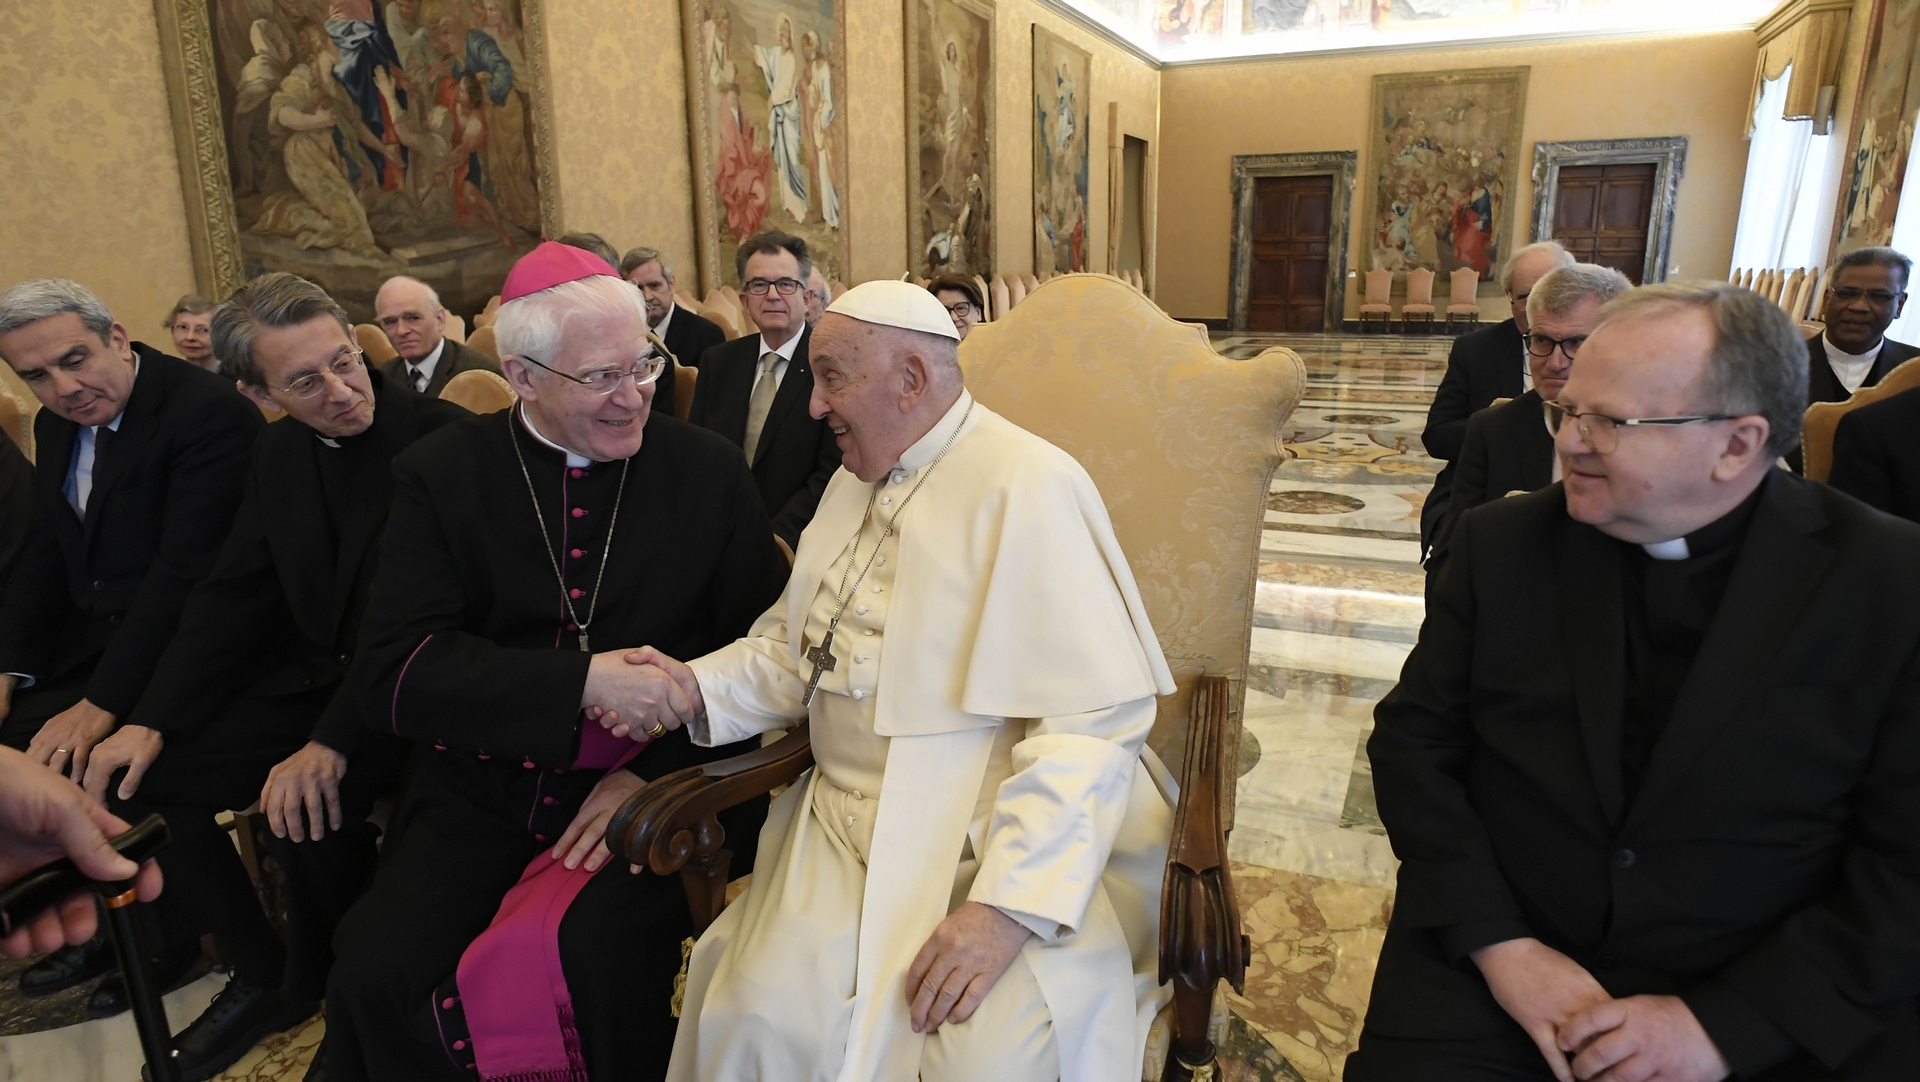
x=142, y=460
x=1864, y=297
x=249, y=701
x=1650, y=769
x=1876, y=455
x=416, y=324
x=756, y=391
x=16, y=505
x=1484, y=365
x=1508, y=448
x=688, y=336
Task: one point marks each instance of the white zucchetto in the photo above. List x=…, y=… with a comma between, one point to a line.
x=896, y=304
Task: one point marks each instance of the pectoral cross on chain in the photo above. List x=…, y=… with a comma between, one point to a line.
x=823, y=663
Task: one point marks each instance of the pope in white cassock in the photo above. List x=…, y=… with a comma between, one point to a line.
x=967, y=884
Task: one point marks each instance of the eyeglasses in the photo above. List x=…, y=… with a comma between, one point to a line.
x=1879, y=298
x=1542, y=346
x=313, y=383
x=1602, y=432
x=786, y=287
x=961, y=309
x=605, y=381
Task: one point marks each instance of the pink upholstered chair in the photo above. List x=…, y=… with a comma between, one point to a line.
x=1378, y=303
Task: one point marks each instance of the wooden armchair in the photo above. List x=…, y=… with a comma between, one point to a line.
x=1823, y=418
x=1182, y=444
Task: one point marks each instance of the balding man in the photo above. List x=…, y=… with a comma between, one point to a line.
x=1487, y=364
x=1650, y=770
x=687, y=335
x=819, y=295
x=979, y=684
x=416, y=323
x=1508, y=449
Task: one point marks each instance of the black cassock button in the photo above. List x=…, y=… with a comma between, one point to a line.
x=1625, y=858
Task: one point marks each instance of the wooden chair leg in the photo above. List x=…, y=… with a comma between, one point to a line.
x=706, y=882
x=1193, y=1057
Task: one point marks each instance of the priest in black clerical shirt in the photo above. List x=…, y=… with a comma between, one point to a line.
x=249, y=702
x=1650, y=771
x=521, y=562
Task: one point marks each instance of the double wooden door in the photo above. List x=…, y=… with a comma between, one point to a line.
x=1600, y=214
x=1290, y=230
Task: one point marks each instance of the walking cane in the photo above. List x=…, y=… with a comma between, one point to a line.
x=48, y=886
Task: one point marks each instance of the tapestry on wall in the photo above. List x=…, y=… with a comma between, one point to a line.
x=1444, y=153
x=950, y=165
x=766, y=84
x=362, y=142
x=1061, y=74
x=1882, y=136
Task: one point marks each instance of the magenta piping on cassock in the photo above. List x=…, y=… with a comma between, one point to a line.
x=394, y=716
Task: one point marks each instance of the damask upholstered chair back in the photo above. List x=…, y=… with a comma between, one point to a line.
x=1182, y=443
x=479, y=391
x=16, y=419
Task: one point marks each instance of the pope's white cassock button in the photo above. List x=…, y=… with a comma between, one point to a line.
x=859, y=693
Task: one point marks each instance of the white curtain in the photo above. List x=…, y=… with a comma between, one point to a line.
x=1786, y=168
x=1906, y=239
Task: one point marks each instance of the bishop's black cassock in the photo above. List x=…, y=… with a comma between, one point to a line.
x=468, y=647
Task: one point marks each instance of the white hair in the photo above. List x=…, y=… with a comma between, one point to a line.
x=533, y=325
x=433, y=295
x=31, y=302
x=1563, y=288
x=1561, y=257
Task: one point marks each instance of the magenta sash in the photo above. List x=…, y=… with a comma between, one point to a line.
x=514, y=994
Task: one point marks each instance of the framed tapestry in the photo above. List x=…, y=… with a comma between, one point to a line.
x=764, y=87
x=950, y=153
x=1061, y=74
x=1885, y=111
x=1443, y=161
x=348, y=143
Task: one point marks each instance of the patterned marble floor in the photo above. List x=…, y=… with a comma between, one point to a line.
x=1339, y=605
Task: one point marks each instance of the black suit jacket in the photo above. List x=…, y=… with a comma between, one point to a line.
x=106, y=592
x=797, y=454
x=1768, y=870
x=1508, y=449
x=690, y=336
x=279, y=613
x=1824, y=386
x=1876, y=455
x=16, y=505
x=454, y=359
x=1483, y=365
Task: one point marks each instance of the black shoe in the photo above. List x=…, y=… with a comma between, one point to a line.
x=110, y=998
x=67, y=967
x=237, y=1019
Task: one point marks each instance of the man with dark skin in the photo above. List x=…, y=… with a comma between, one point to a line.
x=1867, y=293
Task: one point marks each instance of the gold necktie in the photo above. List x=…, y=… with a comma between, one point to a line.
x=760, y=402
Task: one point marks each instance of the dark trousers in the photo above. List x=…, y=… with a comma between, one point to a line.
x=1511, y=1058
x=462, y=845
x=35, y=706
x=208, y=891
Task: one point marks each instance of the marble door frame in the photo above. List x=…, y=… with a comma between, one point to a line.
x=1668, y=156
x=1341, y=165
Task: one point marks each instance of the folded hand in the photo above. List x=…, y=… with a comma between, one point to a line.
x=1542, y=990
x=134, y=747
x=68, y=738
x=1642, y=1037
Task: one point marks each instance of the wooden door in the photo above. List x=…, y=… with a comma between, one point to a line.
x=1292, y=219
x=1600, y=214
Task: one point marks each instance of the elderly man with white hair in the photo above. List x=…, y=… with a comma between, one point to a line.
x=963, y=888
x=415, y=321
x=519, y=567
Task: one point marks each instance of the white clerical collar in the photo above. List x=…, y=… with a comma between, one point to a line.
x=1836, y=355
x=1675, y=549
x=786, y=351
x=427, y=363
x=329, y=442
x=928, y=446
x=578, y=462
x=661, y=327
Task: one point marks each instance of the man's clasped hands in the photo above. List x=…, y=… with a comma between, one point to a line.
x=1586, y=1034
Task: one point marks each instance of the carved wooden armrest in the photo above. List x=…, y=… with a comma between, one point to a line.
x=672, y=825
x=1200, y=939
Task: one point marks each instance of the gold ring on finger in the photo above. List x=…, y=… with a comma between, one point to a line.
x=657, y=730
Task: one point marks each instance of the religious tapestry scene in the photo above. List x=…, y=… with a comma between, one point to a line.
x=1445, y=149
x=368, y=141
x=950, y=76
x=770, y=102
x=1061, y=74
x=1882, y=136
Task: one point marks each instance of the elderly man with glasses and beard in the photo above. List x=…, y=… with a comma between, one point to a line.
x=250, y=701
x=520, y=564
x=1650, y=770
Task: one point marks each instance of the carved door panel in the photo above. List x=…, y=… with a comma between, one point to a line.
x=1600, y=214
x=1291, y=228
